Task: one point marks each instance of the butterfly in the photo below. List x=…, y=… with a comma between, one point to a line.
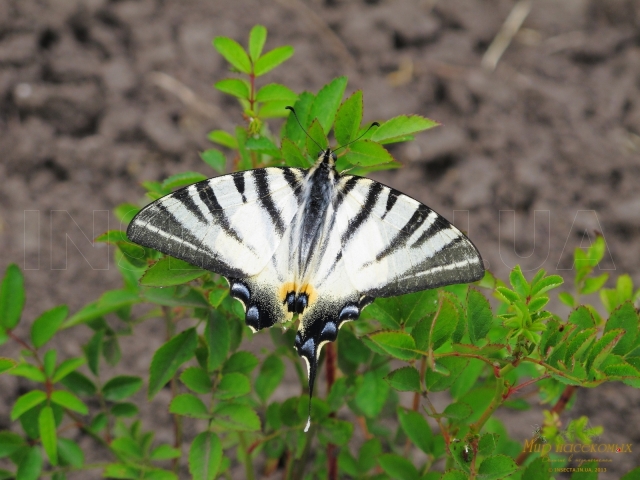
x=313, y=242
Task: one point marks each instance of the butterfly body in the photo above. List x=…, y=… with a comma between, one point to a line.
x=311, y=242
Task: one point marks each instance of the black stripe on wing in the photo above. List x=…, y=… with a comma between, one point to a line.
x=365, y=212
x=220, y=218
x=402, y=237
x=264, y=197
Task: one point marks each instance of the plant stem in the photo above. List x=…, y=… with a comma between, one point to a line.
x=248, y=465
x=498, y=399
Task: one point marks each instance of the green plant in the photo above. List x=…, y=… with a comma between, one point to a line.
x=450, y=339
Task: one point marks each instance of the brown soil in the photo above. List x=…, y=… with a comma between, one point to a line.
x=533, y=157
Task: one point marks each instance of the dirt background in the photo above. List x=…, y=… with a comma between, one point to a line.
x=532, y=157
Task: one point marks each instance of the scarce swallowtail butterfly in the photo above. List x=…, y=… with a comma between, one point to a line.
x=313, y=242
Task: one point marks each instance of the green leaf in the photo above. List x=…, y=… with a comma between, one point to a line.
x=47, y=425
x=327, y=102
x=49, y=362
x=272, y=59
x=270, y=376
x=29, y=371
x=241, y=362
x=118, y=470
x=69, y=401
x=276, y=92
x=233, y=52
x=120, y=387
x=292, y=155
x=7, y=364
x=546, y=284
x=446, y=323
x=400, y=345
x=624, y=317
x=632, y=475
x=165, y=452
x=10, y=442
x=594, y=284
x=79, y=384
x=125, y=212
x=11, y=297
x=497, y=466
x=487, y=443
x=125, y=409
x=233, y=385
x=93, y=351
x=189, y=405
x=316, y=133
x=447, y=371
x=262, y=144
x=223, y=138
x=110, y=301
x=602, y=348
x=236, y=417
x=30, y=465
x=417, y=429
x=46, y=325
x=168, y=359
x=292, y=130
x=182, y=179
x=169, y=271
x=70, y=453
x=66, y=367
x=334, y=431
x=368, y=456
x=274, y=109
x=455, y=475
x=398, y=467
x=401, y=126
x=372, y=394
x=215, y=159
x=348, y=118
x=405, y=379
x=217, y=337
x=366, y=153
x=197, y=380
x=457, y=411
x=234, y=86
x=479, y=316
x=519, y=283
x=567, y=299
x=596, y=251
x=205, y=455
x=27, y=402
x=257, y=37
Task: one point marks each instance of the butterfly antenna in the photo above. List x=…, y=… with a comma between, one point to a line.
x=303, y=129
x=374, y=124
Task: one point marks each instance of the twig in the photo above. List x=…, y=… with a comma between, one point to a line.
x=508, y=30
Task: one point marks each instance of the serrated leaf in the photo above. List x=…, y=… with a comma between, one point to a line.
x=327, y=102
x=398, y=467
x=366, y=153
x=233, y=385
x=624, y=317
x=223, y=138
x=197, y=380
x=538, y=469
x=125, y=409
x=236, y=417
x=316, y=133
x=30, y=465
x=169, y=271
x=217, y=337
x=398, y=344
x=276, y=92
x=182, y=179
x=348, y=118
x=66, y=367
x=334, y=431
x=70, y=401
x=401, y=126
x=372, y=394
x=457, y=411
x=233, y=52
x=7, y=364
x=602, y=348
x=546, y=284
x=215, y=159
x=47, y=426
x=189, y=405
x=417, y=429
x=205, y=455
x=12, y=297
x=46, y=325
x=274, y=109
x=262, y=144
x=270, y=376
x=272, y=59
x=120, y=387
x=302, y=107
x=257, y=37
x=567, y=299
x=165, y=452
x=405, y=379
x=241, y=362
x=445, y=323
x=368, y=455
x=447, y=371
x=496, y=467
x=292, y=155
x=168, y=359
x=234, y=86
x=27, y=402
x=79, y=384
x=594, y=284
x=479, y=316
x=519, y=283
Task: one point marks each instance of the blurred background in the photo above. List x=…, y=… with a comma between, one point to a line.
x=539, y=148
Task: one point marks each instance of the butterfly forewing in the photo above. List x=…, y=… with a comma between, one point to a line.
x=231, y=224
